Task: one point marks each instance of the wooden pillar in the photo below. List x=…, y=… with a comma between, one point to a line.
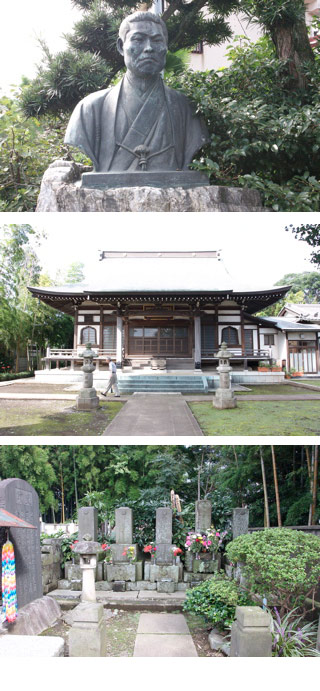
x=101, y=329
x=197, y=341
x=75, y=333
x=242, y=333
x=119, y=342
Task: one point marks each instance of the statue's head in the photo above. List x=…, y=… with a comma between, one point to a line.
x=143, y=42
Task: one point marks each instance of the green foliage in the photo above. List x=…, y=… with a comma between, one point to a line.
x=292, y=637
x=28, y=146
x=279, y=564
x=305, y=288
x=22, y=319
x=262, y=135
x=10, y=376
x=216, y=599
x=31, y=463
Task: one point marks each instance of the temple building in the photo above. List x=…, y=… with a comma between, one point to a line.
x=168, y=312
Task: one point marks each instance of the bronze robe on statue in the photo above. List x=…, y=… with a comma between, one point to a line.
x=109, y=125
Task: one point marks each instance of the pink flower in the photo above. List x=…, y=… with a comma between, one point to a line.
x=209, y=542
x=217, y=534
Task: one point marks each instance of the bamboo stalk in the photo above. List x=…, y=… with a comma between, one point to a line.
x=276, y=486
x=265, y=492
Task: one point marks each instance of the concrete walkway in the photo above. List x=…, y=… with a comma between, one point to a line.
x=163, y=635
x=146, y=415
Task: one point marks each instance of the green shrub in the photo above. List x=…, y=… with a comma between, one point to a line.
x=7, y=376
x=280, y=564
x=216, y=600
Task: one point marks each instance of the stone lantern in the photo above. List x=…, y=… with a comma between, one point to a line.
x=88, y=399
x=88, y=550
x=224, y=396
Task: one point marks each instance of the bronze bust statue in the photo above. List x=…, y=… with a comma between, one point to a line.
x=140, y=124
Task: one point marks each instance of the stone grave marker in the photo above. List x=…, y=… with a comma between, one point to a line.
x=88, y=522
x=21, y=499
x=203, y=515
x=240, y=522
x=164, y=553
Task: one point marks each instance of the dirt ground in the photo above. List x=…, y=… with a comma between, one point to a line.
x=122, y=629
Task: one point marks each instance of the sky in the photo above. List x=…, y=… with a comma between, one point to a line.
x=256, y=249
x=22, y=23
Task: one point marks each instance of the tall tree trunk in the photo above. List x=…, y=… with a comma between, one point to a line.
x=265, y=492
x=62, y=494
x=276, y=487
x=292, y=44
x=315, y=485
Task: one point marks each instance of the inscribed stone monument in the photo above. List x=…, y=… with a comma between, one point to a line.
x=19, y=498
x=203, y=515
x=88, y=522
x=240, y=522
x=139, y=132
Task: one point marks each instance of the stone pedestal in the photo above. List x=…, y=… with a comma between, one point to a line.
x=164, y=573
x=125, y=572
x=87, y=399
x=250, y=633
x=87, y=638
x=61, y=191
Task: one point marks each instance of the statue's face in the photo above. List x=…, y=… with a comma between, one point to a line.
x=144, y=49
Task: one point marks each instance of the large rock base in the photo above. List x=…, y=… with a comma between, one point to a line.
x=61, y=191
x=35, y=617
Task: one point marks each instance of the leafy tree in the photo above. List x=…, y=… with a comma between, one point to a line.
x=28, y=146
x=284, y=21
x=310, y=233
x=262, y=134
x=31, y=464
x=305, y=289
x=91, y=61
x=22, y=320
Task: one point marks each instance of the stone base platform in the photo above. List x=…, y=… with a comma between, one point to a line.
x=128, y=600
x=61, y=191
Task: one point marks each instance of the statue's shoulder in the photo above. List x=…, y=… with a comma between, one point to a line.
x=94, y=99
x=180, y=101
